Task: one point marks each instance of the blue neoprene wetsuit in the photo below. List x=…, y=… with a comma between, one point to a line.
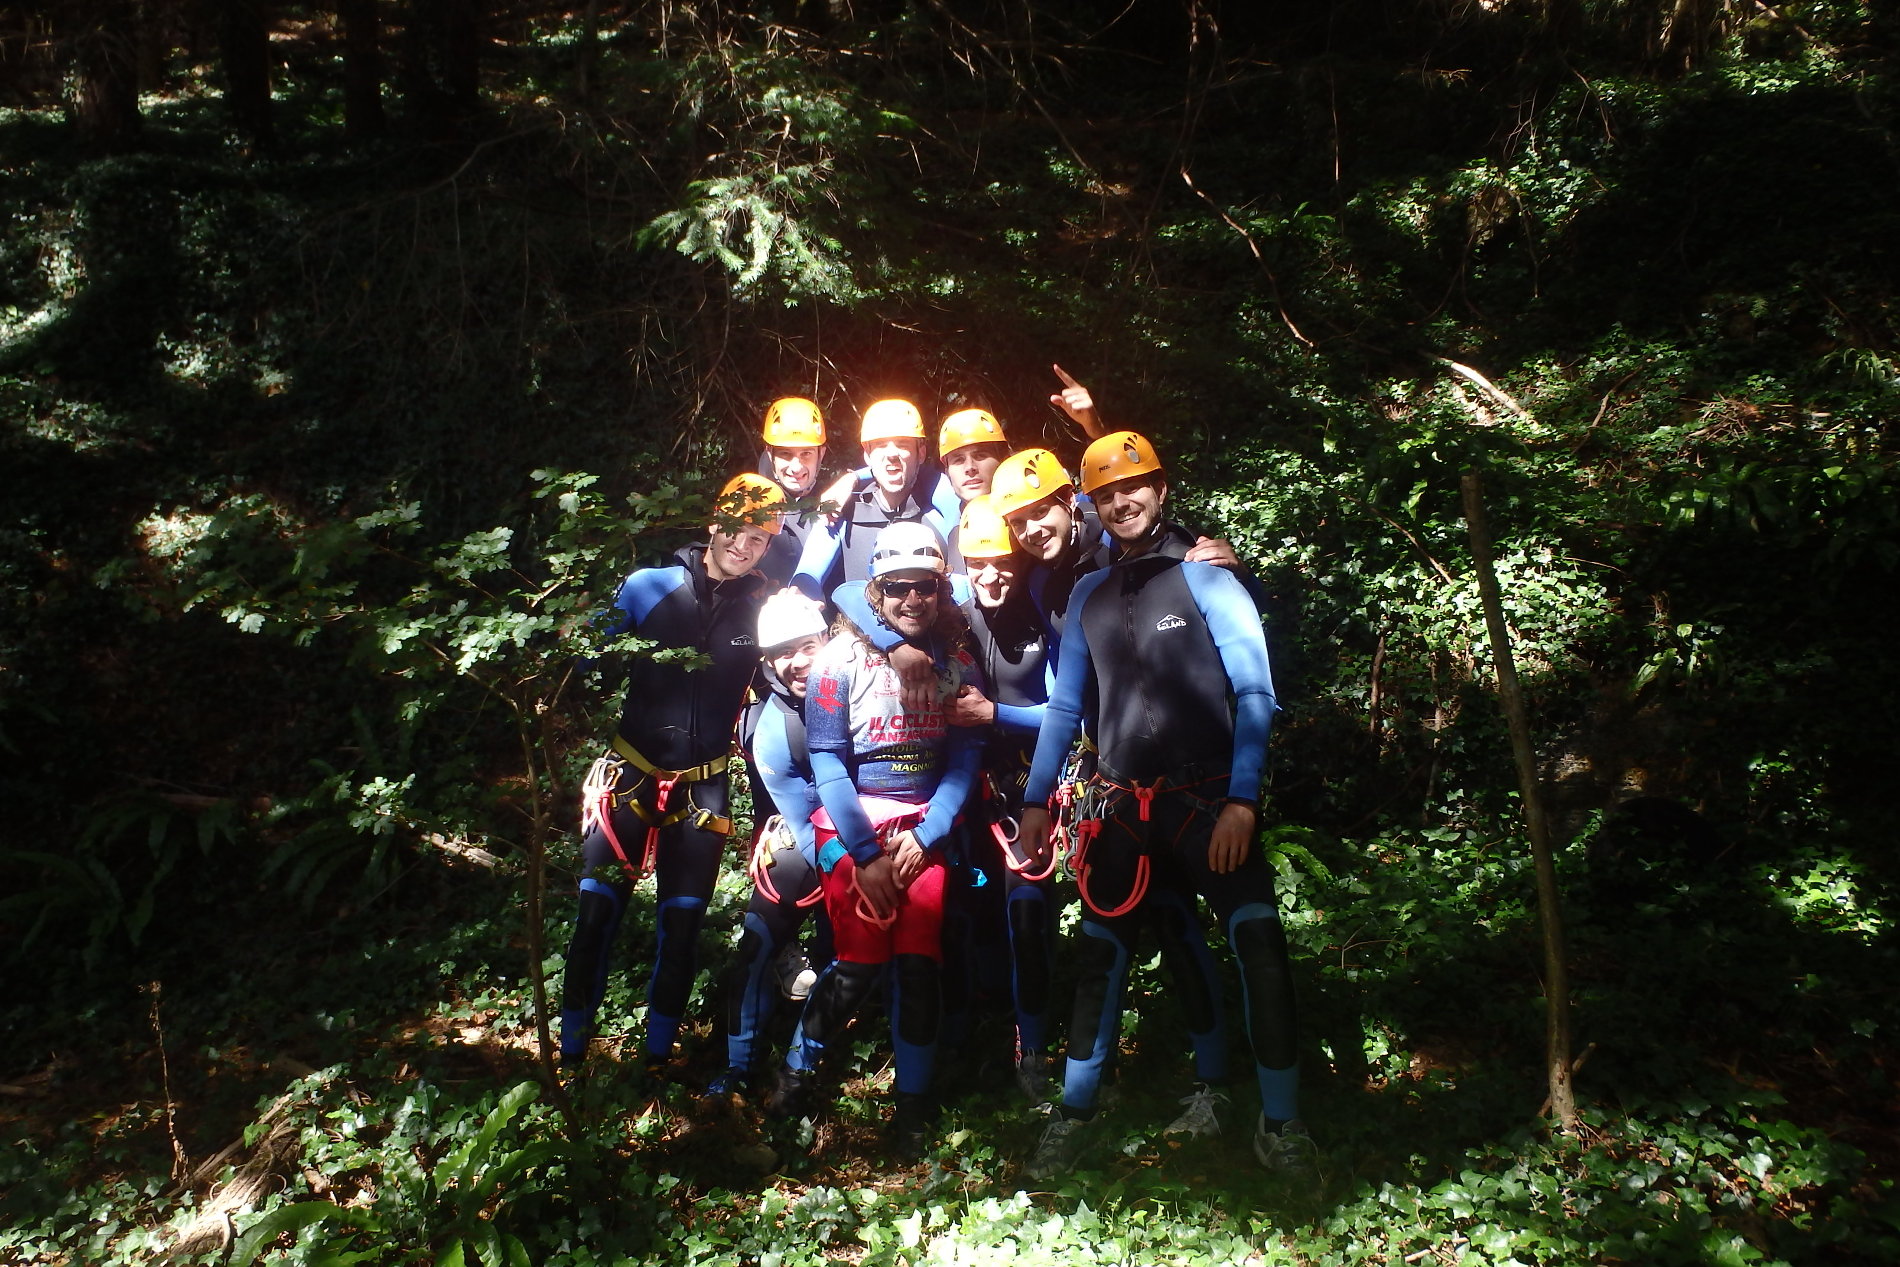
x=1166, y=662
x=774, y=736
x=840, y=552
x=678, y=719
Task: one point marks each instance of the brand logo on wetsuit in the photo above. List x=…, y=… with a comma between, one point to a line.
x=1170, y=621
x=743, y=640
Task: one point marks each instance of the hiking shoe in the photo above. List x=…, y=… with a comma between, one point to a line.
x=793, y=1095
x=1056, y=1152
x=910, y=1127
x=1032, y=1077
x=1200, y=1118
x=1290, y=1151
x=794, y=972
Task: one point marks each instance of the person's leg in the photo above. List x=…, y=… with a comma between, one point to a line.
x=752, y=994
x=604, y=889
x=1244, y=903
x=1195, y=975
x=863, y=950
x=685, y=871
x=1030, y=918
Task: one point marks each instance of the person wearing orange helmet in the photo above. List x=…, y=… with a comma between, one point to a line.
x=794, y=439
x=1003, y=906
x=891, y=437
x=658, y=800
x=969, y=445
x=1165, y=663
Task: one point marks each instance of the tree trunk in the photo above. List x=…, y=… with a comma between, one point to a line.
x=588, y=51
x=244, y=50
x=1556, y=976
x=105, y=103
x=462, y=54
x=362, y=69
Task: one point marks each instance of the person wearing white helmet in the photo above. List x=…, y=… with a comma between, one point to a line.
x=784, y=859
x=891, y=782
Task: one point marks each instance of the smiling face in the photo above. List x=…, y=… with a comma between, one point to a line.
x=970, y=467
x=1043, y=528
x=893, y=463
x=796, y=470
x=792, y=661
x=1130, y=509
x=733, y=554
x=907, y=600
x=993, y=579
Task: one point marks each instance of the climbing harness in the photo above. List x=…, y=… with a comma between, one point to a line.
x=601, y=795
x=774, y=836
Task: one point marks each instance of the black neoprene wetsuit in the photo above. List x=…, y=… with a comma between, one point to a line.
x=676, y=719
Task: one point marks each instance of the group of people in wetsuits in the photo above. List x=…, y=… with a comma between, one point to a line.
x=923, y=651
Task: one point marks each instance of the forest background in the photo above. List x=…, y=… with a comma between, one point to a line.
x=349, y=354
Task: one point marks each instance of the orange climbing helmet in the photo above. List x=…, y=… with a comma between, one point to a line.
x=1120, y=455
x=792, y=422
x=891, y=419
x=967, y=427
x=982, y=534
x=1026, y=478
x=752, y=498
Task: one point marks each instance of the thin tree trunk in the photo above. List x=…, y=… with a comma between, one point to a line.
x=105, y=104
x=588, y=52
x=362, y=69
x=244, y=50
x=1556, y=976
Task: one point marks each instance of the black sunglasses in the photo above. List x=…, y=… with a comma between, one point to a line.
x=904, y=589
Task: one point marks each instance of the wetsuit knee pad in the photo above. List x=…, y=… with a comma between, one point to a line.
x=595, y=923
x=673, y=961
x=1259, y=942
x=1102, y=957
x=838, y=993
x=755, y=943
x=919, y=998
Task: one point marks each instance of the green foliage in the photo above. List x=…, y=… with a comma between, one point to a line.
x=299, y=561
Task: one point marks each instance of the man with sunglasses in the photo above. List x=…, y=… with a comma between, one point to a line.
x=1169, y=662
x=891, y=780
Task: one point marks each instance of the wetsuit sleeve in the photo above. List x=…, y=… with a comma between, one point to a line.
x=1062, y=716
x=639, y=595
x=817, y=559
x=1234, y=623
x=791, y=792
x=1028, y=717
x=953, y=789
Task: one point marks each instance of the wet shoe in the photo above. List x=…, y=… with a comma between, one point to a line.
x=1200, y=1116
x=1061, y=1145
x=1290, y=1151
x=911, y=1127
x=793, y=1095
